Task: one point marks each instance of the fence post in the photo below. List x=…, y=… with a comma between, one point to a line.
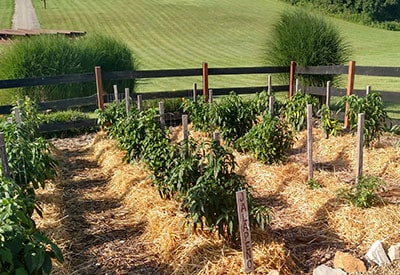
x=185, y=131
x=350, y=88
x=127, y=101
x=162, y=115
x=360, y=145
x=116, y=99
x=194, y=92
x=205, y=81
x=4, y=161
x=291, y=78
x=328, y=94
x=140, y=103
x=310, y=142
x=99, y=87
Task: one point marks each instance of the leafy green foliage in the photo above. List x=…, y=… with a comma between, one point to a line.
x=330, y=126
x=295, y=111
x=375, y=115
x=308, y=40
x=57, y=55
x=211, y=201
x=201, y=177
x=233, y=116
x=23, y=249
x=269, y=141
x=200, y=113
x=314, y=184
x=365, y=11
x=63, y=116
x=363, y=194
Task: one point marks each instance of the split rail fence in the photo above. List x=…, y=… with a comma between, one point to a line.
x=98, y=77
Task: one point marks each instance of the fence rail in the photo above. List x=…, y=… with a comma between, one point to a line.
x=392, y=97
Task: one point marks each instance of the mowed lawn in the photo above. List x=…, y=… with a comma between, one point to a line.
x=167, y=34
x=6, y=13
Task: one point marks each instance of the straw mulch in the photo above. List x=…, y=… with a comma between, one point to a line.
x=108, y=219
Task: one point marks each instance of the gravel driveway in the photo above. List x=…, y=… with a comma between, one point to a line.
x=25, y=16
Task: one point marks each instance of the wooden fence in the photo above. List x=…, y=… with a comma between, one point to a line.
x=97, y=77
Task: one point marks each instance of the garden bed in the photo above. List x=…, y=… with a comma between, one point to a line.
x=108, y=219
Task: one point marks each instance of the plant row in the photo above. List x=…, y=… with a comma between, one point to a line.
x=23, y=248
x=200, y=174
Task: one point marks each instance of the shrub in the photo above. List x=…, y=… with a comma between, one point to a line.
x=375, y=115
x=308, y=40
x=295, y=111
x=233, y=116
x=363, y=194
x=200, y=114
x=57, y=55
x=269, y=141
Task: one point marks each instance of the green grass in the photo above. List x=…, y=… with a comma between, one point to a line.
x=6, y=13
x=168, y=34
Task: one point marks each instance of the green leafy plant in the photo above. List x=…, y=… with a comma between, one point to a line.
x=330, y=126
x=375, y=115
x=200, y=114
x=233, y=116
x=364, y=193
x=313, y=184
x=23, y=249
x=63, y=116
x=295, y=111
x=269, y=141
x=211, y=201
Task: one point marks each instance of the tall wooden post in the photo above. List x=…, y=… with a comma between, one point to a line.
x=140, y=103
x=116, y=99
x=350, y=88
x=194, y=92
x=310, y=142
x=360, y=145
x=205, y=81
x=291, y=78
x=185, y=130
x=328, y=94
x=162, y=115
x=4, y=161
x=127, y=101
x=269, y=85
x=99, y=87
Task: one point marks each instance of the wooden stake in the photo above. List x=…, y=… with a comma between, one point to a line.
x=328, y=93
x=140, y=103
x=127, y=101
x=291, y=78
x=269, y=85
x=185, y=130
x=360, y=145
x=310, y=142
x=368, y=90
x=116, y=99
x=217, y=137
x=3, y=153
x=210, y=97
x=99, y=87
x=271, y=105
x=162, y=115
x=297, y=86
x=350, y=88
x=244, y=228
x=194, y=92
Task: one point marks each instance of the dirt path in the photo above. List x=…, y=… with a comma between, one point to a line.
x=98, y=236
x=24, y=16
